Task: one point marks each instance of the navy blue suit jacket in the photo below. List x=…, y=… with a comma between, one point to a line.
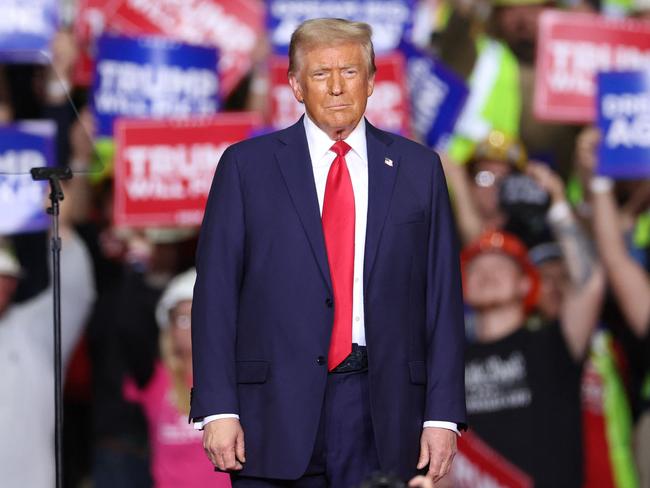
x=262, y=311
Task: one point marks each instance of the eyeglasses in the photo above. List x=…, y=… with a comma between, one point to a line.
x=486, y=179
x=181, y=320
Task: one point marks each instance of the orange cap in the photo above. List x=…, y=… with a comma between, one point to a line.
x=510, y=245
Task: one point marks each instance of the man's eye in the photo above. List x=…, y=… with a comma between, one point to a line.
x=319, y=75
x=350, y=72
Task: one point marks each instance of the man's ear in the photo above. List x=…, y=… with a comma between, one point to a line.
x=296, y=88
x=371, y=84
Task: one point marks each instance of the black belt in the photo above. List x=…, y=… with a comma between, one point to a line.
x=357, y=360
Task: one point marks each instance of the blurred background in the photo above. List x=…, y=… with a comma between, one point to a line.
x=540, y=111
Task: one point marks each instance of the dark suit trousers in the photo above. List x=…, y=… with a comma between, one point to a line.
x=344, y=453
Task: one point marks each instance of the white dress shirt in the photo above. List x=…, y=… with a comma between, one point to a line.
x=356, y=159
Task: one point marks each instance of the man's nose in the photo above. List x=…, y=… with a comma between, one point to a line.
x=336, y=83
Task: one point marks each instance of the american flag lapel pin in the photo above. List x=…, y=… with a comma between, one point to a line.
x=389, y=162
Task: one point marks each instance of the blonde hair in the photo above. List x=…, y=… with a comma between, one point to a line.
x=180, y=387
x=326, y=32
x=179, y=289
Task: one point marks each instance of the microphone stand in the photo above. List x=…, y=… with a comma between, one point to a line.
x=54, y=176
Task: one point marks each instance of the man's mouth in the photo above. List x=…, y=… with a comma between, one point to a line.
x=340, y=106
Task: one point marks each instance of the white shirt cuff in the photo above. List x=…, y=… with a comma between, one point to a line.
x=601, y=184
x=206, y=420
x=442, y=425
x=559, y=212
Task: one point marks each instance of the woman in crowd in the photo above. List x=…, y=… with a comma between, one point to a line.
x=177, y=457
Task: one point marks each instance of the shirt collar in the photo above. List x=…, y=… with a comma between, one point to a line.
x=319, y=142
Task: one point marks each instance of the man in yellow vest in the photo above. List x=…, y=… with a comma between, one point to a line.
x=502, y=82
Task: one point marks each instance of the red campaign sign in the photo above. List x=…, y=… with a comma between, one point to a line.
x=572, y=48
x=476, y=464
x=164, y=168
x=234, y=26
x=388, y=106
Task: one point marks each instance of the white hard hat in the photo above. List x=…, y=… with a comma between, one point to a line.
x=179, y=289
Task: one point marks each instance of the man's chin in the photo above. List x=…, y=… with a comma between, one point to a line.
x=341, y=127
x=340, y=120
x=488, y=303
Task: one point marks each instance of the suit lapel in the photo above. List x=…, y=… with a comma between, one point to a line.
x=381, y=181
x=295, y=165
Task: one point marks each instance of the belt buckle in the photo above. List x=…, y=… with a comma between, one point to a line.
x=357, y=360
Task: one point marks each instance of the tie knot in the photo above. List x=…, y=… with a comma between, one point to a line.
x=341, y=148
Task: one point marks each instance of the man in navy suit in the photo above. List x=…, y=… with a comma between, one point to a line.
x=327, y=320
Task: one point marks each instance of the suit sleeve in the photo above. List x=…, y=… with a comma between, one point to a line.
x=445, y=316
x=219, y=264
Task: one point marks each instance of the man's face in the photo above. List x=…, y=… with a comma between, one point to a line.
x=493, y=279
x=334, y=84
x=485, y=187
x=517, y=26
x=8, y=286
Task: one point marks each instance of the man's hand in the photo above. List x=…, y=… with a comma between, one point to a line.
x=437, y=449
x=223, y=441
x=548, y=180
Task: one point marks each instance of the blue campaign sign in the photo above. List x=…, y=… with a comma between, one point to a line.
x=391, y=20
x=21, y=148
x=26, y=29
x=152, y=77
x=437, y=96
x=624, y=121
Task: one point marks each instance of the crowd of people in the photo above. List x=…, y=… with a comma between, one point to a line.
x=555, y=281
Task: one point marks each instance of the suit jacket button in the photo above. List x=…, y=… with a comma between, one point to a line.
x=329, y=302
x=321, y=360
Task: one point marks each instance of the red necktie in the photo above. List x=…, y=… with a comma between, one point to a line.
x=338, y=227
